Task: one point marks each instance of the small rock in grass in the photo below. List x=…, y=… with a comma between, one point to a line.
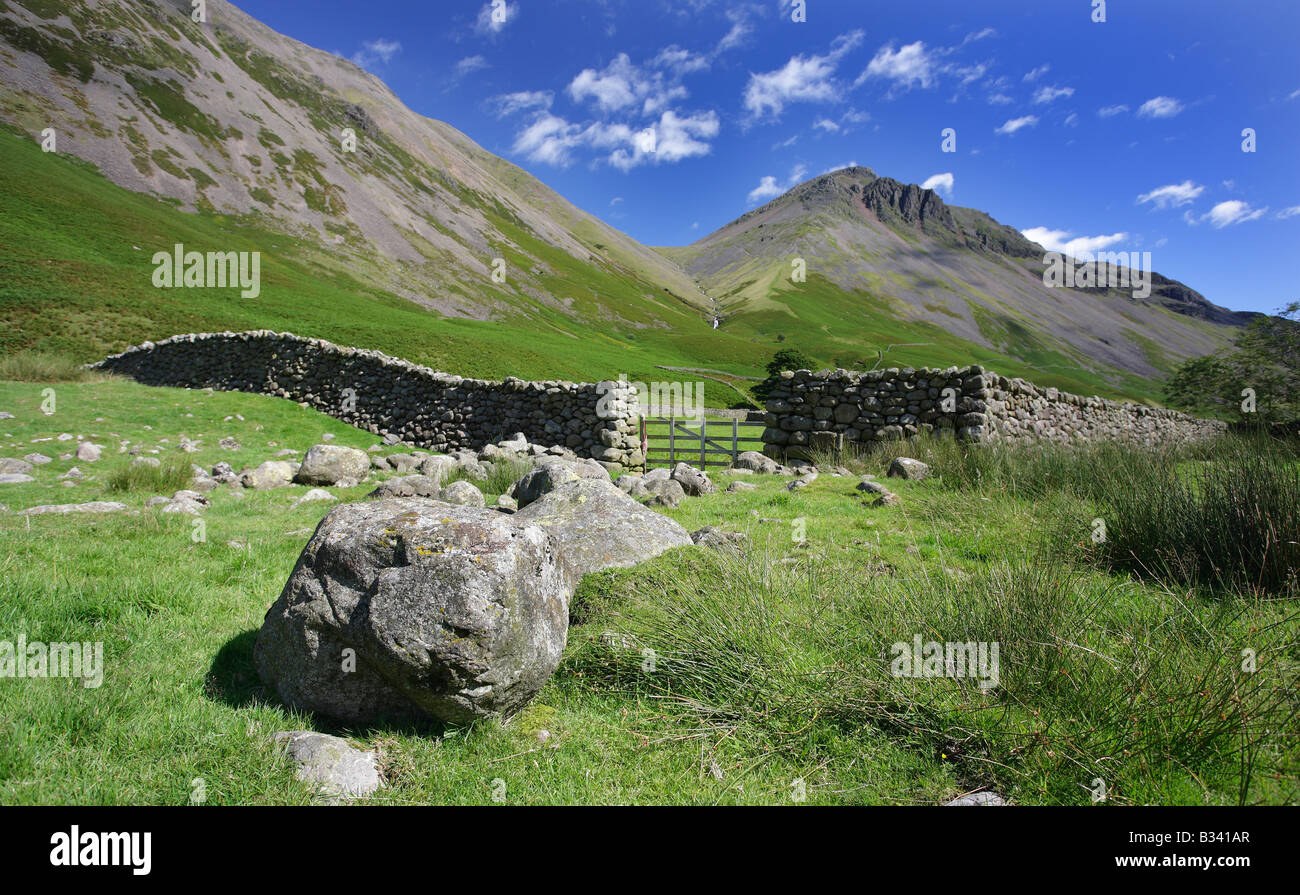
x=338, y=770
x=907, y=468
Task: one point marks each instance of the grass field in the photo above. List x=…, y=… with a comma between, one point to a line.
x=770, y=680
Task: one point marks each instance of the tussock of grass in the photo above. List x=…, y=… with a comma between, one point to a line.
x=502, y=472
x=172, y=475
x=41, y=366
x=1093, y=684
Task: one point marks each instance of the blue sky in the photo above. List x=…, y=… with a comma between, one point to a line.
x=1124, y=134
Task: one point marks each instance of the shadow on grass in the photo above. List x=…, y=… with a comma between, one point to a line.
x=233, y=680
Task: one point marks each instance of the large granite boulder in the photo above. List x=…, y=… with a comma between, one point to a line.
x=331, y=464
x=596, y=526
x=405, y=609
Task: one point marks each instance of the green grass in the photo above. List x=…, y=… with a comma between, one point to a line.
x=769, y=668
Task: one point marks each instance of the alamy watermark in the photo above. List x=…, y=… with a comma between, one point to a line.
x=952, y=659
x=211, y=270
x=677, y=399
x=36, y=659
x=1114, y=270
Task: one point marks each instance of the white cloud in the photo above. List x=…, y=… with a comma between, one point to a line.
x=1160, y=107
x=1293, y=96
x=1000, y=99
x=617, y=200
x=1072, y=120
x=680, y=61
x=1037, y=73
x=809, y=79
x=510, y=103
x=827, y=125
x=622, y=84
x=1047, y=94
x=941, y=183
x=911, y=65
x=1015, y=124
x=1062, y=241
x=769, y=188
x=495, y=16
x=1234, y=211
x=376, y=51
x=1111, y=111
x=549, y=139
x=1173, y=195
x=470, y=64
x=838, y=168
x=1288, y=212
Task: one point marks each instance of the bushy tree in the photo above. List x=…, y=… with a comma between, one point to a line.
x=1264, y=363
x=785, y=359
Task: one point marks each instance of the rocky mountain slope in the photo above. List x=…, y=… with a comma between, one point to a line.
x=229, y=117
x=953, y=267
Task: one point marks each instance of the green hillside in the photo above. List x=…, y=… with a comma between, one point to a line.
x=73, y=281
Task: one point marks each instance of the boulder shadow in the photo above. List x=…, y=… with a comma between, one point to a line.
x=233, y=680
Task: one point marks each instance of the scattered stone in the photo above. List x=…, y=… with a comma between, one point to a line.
x=73, y=473
x=438, y=466
x=507, y=503
x=872, y=487
x=541, y=479
x=89, y=452
x=740, y=486
x=6, y=415
x=286, y=452
x=270, y=474
x=338, y=770
x=15, y=478
x=664, y=493
x=403, y=463
x=695, y=482
x=14, y=466
x=985, y=799
x=907, y=468
x=229, y=444
x=190, y=502
x=718, y=539
x=95, y=506
x=453, y=613
x=408, y=486
x=463, y=493
x=38, y=459
x=888, y=499
x=331, y=464
x=756, y=462
x=146, y=461
x=328, y=436
x=315, y=494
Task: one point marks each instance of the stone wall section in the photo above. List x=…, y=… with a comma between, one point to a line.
x=392, y=397
x=831, y=409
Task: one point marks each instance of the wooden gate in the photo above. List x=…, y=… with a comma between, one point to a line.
x=699, y=442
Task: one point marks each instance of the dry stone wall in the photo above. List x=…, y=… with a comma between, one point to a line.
x=829, y=409
x=390, y=396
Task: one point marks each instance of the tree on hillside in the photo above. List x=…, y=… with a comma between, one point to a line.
x=1263, y=364
x=785, y=359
